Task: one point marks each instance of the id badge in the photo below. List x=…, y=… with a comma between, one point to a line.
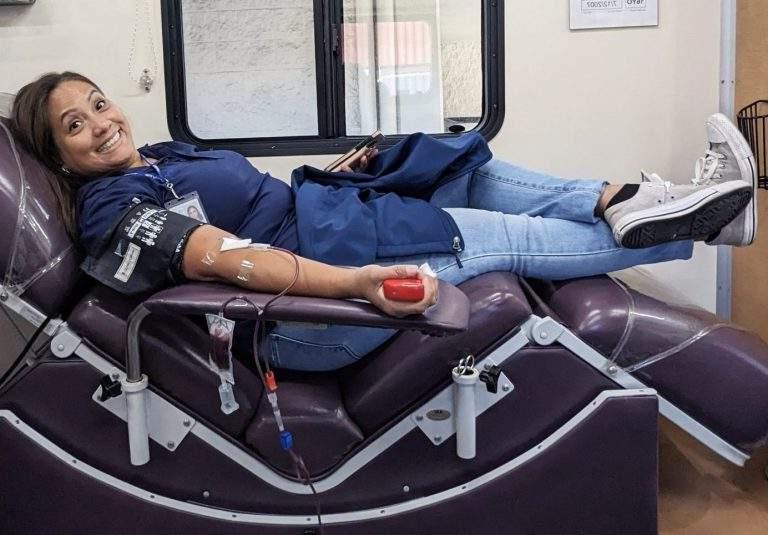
x=188, y=205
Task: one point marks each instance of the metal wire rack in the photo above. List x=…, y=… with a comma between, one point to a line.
x=752, y=123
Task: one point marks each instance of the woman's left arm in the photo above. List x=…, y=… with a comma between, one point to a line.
x=271, y=270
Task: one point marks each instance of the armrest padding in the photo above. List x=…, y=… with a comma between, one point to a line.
x=450, y=315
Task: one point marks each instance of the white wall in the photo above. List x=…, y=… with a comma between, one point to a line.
x=89, y=36
x=600, y=103
x=606, y=103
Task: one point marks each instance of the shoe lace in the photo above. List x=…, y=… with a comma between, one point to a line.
x=656, y=180
x=708, y=167
x=645, y=176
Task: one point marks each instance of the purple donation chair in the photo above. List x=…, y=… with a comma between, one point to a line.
x=116, y=425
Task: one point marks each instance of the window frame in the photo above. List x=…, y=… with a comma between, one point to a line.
x=330, y=86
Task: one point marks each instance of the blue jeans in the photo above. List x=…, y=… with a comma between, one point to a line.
x=512, y=220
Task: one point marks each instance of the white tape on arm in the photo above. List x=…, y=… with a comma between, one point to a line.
x=230, y=244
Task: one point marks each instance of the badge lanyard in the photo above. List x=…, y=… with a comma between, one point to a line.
x=167, y=183
x=188, y=205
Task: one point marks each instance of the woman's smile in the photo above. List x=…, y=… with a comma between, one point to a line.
x=111, y=143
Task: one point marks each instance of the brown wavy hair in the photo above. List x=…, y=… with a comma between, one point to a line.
x=31, y=127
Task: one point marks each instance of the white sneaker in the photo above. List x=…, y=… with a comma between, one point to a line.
x=729, y=158
x=661, y=212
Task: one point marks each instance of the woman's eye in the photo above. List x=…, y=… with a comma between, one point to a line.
x=74, y=125
x=100, y=104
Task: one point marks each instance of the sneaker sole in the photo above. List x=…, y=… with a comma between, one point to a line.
x=696, y=219
x=747, y=167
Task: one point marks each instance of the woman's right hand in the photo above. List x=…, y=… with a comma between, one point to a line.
x=370, y=285
x=360, y=165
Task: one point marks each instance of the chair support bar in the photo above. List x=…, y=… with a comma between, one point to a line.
x=133, y=363
x=135, y=385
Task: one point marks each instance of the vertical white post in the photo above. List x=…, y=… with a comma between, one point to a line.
x=464, y=411
x=728, y=59
x=137, y=419
x=727, y=104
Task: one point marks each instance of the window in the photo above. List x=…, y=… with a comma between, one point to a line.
x=281, y=77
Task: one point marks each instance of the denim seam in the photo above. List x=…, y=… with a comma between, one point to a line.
x=345, y=347
x=509, y=238
x=273, y=350
x=528, y=185
x=494, y=255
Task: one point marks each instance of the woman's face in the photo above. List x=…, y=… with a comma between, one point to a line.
x=92, y=134
x=193, y=212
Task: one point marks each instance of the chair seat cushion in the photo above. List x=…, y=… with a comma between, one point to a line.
x=714, y=370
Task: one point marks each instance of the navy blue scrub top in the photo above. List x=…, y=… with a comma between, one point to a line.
x=236, y=196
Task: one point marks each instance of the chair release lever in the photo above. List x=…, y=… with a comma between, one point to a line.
x=110, y=388
x=491, y=379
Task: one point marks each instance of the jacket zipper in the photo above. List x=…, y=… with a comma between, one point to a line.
x=456, y=250
x=457, y=244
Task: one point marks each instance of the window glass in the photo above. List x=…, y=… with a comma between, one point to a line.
x=412, y=65
x=287, y=77
x=249, y=68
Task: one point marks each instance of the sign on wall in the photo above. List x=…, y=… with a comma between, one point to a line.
x=587, y=14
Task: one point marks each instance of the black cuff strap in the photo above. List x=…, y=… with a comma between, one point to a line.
x=144, y=250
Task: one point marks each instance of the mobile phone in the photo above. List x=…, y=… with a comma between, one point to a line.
x=356, y=152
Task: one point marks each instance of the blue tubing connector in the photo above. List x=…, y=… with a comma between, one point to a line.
x=286, y=440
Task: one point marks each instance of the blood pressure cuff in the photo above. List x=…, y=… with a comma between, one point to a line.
x=144, y=250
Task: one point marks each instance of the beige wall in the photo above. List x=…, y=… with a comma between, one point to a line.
x=750, y=275
x=751, y=52
x=600, y=103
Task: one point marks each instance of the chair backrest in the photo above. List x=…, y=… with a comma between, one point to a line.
x=38, y=260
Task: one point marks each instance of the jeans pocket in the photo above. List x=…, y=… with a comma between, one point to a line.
x=300, y=355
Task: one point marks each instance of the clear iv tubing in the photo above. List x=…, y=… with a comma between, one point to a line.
x=261, y=310
x=298, y=462
x=258, y=334
x=272, y=397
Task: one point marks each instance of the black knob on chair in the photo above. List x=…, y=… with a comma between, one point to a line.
x=491, y=378
x=110, y=388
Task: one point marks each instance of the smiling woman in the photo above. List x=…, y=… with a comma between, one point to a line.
x=92, y=134
x=445, y=203
x=107, y=189
x=68, y=123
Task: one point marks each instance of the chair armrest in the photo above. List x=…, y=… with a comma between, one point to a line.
x=450, y=315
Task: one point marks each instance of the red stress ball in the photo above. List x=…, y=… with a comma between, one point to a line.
x=411, y=290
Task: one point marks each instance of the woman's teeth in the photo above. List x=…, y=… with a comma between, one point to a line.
x=110, y=142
